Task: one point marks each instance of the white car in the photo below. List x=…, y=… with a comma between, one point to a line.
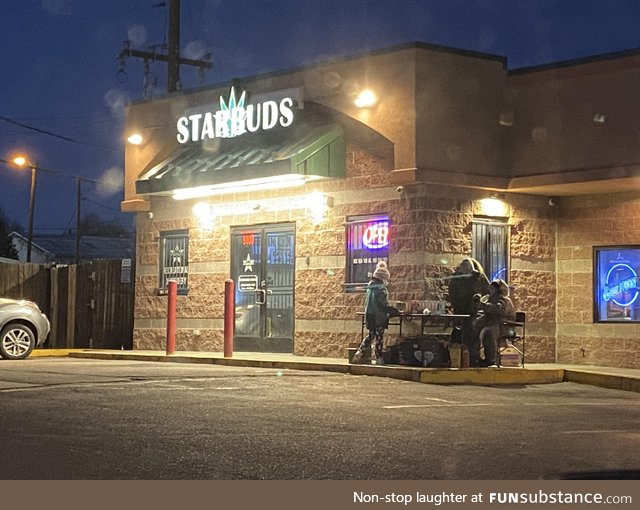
x=23, y=327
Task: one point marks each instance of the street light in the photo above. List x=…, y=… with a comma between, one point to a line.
x=22, y=162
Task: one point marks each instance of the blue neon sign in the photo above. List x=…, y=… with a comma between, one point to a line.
x=616, y=288
x=621, y=287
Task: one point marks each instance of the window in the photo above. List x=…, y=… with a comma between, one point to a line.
x=367, y=243
x=174, y=260
x=615, y=285
x=490, y=247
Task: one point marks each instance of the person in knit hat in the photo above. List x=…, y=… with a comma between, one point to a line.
x=381, y=272
x=377, y=311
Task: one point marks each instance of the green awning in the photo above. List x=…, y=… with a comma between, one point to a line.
x=309, y=152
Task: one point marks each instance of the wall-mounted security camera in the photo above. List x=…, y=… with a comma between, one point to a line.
x=400, y=190
x=551, y=202
x=150, y=215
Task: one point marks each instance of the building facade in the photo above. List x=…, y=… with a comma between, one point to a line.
x=295, y=184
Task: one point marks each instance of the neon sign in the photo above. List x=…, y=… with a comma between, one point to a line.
x=234, y=118
x=621, y=287
x=376, y=235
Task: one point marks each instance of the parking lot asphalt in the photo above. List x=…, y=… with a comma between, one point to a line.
x=607, y=377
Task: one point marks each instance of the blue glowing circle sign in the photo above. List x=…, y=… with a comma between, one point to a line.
x=376, y=235
x=628, y=284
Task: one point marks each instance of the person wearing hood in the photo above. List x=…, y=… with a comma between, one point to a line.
x=493, y=310
x=468, y=280
x=377, y=312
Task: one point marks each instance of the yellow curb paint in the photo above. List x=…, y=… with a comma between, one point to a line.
x=474, y=376
x=489, y=376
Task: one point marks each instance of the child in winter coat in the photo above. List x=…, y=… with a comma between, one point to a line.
x=377, y=311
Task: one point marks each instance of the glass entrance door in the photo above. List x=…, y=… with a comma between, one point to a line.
x=262, y=267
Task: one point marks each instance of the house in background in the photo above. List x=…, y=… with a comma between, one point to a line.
x=62, y=249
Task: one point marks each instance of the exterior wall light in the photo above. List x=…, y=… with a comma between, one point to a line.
x=314, y=206
x=366, y=99
x=276, y=182
x=493, y=207
x=205, y=215
x=317, y=207
x=135, y=139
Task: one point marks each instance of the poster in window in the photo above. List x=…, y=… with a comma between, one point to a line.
x=174, y=260
x=616, y=292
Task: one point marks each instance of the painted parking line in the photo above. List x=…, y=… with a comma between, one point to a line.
x=507, y=404
x=609, y=431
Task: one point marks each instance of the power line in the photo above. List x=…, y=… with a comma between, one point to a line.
x=95, y=202
x=64, y=174
x=54, y=135
x=66, y=117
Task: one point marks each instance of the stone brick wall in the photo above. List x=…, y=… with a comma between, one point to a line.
x=585, y=222
x=533, y=273
x=431, y=233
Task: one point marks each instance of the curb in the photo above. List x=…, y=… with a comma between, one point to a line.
x=490, y=376
x=493, y=376
x=602, y=380
x=504, y=376
x=50, y=353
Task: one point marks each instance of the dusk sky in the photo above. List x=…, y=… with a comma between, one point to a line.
x=59, y=71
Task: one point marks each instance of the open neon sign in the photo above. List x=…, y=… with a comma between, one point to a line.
x=376, y=235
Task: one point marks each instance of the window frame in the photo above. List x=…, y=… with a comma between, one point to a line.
x=351, y=223
x=183, y=288
x=479, y=254
x=596, y=288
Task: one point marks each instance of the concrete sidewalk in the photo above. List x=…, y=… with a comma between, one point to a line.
x=614, y=378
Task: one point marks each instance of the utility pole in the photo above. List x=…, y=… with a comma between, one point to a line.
x=173, y=52
x=32, y=203
x=78, y=201
x=172, y=57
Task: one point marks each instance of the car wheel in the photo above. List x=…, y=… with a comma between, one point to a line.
x=16, y=341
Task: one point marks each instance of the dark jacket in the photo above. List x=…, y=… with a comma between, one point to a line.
x=376, y=305
x=467, y=280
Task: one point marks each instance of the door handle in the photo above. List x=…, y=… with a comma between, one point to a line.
x=261, y=297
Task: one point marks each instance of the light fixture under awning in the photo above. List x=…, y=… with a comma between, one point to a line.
x=263, y=161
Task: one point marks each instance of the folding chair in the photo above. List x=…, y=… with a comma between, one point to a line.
x=513, y=336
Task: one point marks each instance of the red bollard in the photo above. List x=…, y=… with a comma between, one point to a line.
x=229, y=317
x=172, y=286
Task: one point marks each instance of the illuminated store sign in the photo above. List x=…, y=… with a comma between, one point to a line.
x=368, y=240
x=616, y=283
x=235, y=118
x=376, y=235
x=623, y=292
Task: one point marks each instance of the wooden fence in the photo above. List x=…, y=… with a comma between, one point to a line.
x=90, y=305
